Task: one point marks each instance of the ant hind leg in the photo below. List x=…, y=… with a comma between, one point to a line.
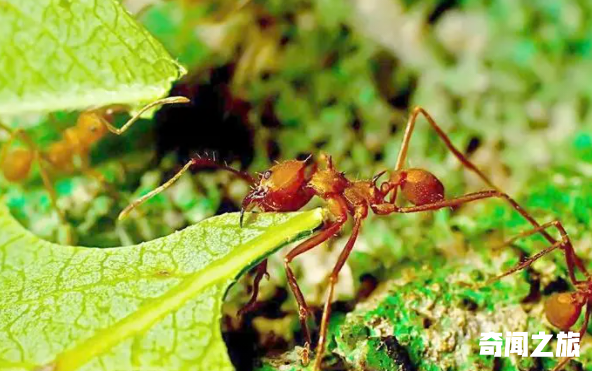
x=464, y=161
x=572, y=260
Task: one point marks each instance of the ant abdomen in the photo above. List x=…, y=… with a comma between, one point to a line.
x=563, y=310
x=16, y=164
x=419, y=186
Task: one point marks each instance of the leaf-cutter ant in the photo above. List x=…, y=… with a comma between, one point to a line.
x=561, y=309
x=289, y=185
x=91, y=126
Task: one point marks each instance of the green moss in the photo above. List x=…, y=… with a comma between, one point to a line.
x=431, y=320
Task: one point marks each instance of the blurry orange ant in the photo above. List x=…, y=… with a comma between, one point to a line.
x=290, y=185
x=561, y=309
x=91, y=126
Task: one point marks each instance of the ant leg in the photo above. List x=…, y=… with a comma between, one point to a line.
x=528, y=262
x=588, y=314
x=87, y=170
x=582, y=332
x=358, y=217
x=565, y=244
x=45, y=178
x=134, y=118
x=462, y=158
x=193, y=163
x=309, y=244
x=338, y=207
x=571, y=257
x=388, y=208
x=261, y=270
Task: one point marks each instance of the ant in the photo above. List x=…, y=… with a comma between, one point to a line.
x=91, y=126
x=289, y=185
x=561, y=309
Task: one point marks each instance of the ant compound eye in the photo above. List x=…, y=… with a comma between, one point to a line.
x=267, y=174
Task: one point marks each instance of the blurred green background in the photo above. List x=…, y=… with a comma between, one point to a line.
x=508, y=80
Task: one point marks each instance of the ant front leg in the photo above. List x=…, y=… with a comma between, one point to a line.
x=338, y=207
x=359, y=215
x=464, y=161
x=260, y=272
x=572, y=260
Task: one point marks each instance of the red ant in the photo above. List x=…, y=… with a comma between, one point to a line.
x=561, y=309
x=290, y=185
x=91, y=126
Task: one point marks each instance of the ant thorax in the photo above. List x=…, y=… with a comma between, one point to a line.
x=328, y=181
x=362, y=192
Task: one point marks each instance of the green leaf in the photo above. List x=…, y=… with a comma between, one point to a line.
x=64, y=54
x=153, y=305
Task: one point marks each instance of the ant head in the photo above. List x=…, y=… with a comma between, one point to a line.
x=90, y=127
x=279, y=188
x=563, y=309
x=285, y=177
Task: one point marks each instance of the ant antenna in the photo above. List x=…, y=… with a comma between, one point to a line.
x=154, y=192
x=131, y=121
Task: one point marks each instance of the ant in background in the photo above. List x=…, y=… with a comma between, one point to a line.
x=561, y=309
x=291, y=184
x=91, y=126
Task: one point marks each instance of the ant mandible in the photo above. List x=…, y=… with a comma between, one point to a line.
x=561, y=309
x=289, y=185
x=91, y=126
